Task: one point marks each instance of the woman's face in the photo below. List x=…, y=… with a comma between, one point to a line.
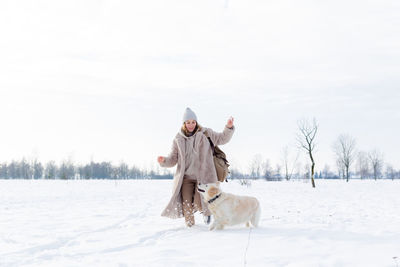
x=190, y=125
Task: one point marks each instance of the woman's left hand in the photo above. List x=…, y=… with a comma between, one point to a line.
x=229, y=124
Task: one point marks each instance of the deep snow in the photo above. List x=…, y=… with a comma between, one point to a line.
x=118, y=223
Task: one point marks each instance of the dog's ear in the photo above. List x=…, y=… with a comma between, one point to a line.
x=212, y=192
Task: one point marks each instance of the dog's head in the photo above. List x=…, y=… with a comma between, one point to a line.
x=209, y=190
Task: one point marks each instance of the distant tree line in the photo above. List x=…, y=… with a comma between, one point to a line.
x=263, y=170
x=350, y=164
x=367, y=166
x=23, y=169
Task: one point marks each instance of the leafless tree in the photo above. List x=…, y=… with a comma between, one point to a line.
x=327, y=173
x=25, y=169
x=362, y=165
x=66, y=170
x=37, y=169
x=3, y=171
x=306, y=140
x=376, y=160
x=306, y=172
x=390, y=172
x=50, y=170
x=345, y=150
x=340, y=168
x=278, y=172
x=268, y=173
x=123, y=170
x=298, y=170
x=256, y=166
x=288, y=168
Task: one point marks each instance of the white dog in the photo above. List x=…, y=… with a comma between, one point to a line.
x=229, y=209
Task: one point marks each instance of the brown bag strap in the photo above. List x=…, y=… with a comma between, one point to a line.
x=211, y=142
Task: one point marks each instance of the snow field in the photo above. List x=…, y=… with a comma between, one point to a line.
x=118, y=223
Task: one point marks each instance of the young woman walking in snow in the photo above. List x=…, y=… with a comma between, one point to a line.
x=192, y=153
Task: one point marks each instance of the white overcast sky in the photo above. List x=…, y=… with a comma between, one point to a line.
x=110, y=80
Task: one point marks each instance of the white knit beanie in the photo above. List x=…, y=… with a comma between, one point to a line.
x=189, y=115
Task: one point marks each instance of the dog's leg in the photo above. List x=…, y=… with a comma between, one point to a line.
x=213, y=225
x=220, y=227
x=216, y=226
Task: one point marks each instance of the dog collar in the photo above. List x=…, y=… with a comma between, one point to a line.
x=214, y=198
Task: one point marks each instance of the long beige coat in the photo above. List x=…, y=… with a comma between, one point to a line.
x=205, y=166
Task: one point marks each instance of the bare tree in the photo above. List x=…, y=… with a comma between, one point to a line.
x=306, y=172
x=326, y=172
x=340, y=169
x=390, y=172
x=306, y=140
x=25, y=169
x=345, y=149
x=123, y=170
x=50, y=170
x=376, y=160
x=268, y=173
x=256, y=166
x=362, y=165
x=3, y=171
x=288, y=170
x=66, y=170
x=278, y=174
x=37, y=169
x=298, y=170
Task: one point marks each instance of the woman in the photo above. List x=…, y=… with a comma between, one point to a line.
x=192, y=153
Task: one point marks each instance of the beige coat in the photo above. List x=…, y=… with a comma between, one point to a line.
x=204, y=164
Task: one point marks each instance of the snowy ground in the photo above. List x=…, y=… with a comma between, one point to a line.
x=107, y=223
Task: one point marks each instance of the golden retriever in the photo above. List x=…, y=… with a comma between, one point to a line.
x=229, y=209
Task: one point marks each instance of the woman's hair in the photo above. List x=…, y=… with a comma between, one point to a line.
x=187, y=133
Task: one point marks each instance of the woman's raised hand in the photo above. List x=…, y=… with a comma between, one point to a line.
x=160, y=159
x=229, y=124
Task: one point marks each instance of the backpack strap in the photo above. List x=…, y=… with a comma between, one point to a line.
x=211, y=142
